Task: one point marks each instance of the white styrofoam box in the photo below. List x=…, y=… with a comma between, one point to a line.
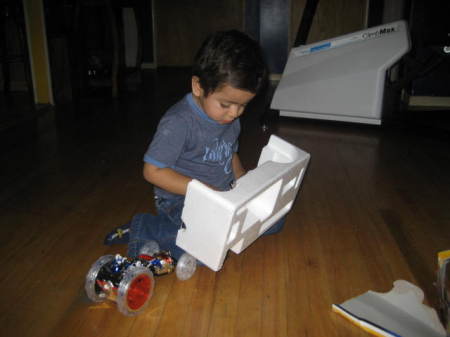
x=341, y=78
x=218, y=221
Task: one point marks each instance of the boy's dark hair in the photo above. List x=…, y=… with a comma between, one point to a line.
x=230, y=57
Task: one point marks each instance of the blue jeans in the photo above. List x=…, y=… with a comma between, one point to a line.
x=163, y=228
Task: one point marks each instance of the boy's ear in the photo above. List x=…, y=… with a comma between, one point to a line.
x=197, y=89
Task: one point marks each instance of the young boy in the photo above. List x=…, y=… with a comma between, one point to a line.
x=197, y=138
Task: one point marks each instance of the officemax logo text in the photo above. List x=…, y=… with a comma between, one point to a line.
x=380, y=32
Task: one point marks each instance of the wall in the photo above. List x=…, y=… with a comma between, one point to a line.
x=332, y=18
x=15, y=52
x=181, y=26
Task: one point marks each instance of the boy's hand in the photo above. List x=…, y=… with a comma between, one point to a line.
x=238, y=169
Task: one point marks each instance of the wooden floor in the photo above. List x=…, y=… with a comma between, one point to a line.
x=373, y=208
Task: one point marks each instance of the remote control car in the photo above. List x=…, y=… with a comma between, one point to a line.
x=129, y=282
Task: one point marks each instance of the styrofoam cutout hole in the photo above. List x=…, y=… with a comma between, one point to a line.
x=233, y=232
x=261, y=207
x=288, y=186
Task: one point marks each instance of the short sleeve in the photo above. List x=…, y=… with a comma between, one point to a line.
x=168, y=142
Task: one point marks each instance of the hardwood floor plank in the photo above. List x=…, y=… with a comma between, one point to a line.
x=250, y=295
x=225, y=306
x=198, y=317
x=274, y=288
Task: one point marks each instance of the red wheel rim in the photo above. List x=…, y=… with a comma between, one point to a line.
x=139, y=291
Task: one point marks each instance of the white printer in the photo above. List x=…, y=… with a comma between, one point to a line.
x=342, y=78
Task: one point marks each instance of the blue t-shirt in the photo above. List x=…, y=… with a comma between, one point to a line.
x=193, y=144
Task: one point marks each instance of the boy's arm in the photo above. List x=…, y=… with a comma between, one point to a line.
x=238, y=169
x=174, y=182
x=166, y=178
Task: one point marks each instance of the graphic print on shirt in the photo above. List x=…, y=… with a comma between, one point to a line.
x=221, y=153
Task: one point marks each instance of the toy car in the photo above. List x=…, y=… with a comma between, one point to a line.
x=129, y=282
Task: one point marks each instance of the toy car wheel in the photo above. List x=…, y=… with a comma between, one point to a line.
x=135, y=290
x=150, y=248
x=186, y=266
x=93, y=292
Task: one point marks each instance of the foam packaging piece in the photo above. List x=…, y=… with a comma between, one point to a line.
x=218, y=221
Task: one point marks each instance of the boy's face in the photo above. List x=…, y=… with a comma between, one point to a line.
x=223, y=105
